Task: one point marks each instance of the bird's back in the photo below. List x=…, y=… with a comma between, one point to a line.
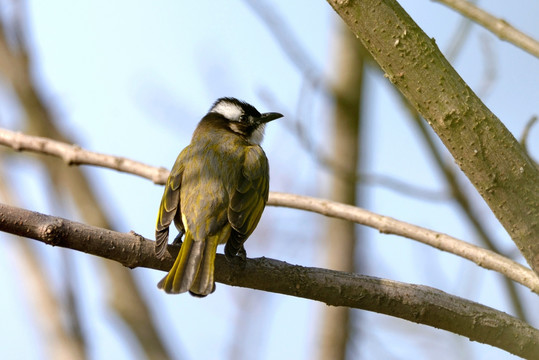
x=212, y=169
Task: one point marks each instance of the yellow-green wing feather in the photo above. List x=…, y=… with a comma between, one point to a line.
x=169, y=209
x=249, y=197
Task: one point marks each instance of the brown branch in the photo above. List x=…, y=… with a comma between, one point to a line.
x=420, y=304
x=499, y=27
x=74, y=155
x=484, y=258
x=387, y=225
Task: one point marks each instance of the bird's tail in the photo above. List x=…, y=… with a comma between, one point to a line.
x=193, y=269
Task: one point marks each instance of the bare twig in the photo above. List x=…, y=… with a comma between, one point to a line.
x=499, y=27
x=485, y=258
x=525, y=135
x=295, y=125
x=490, y=67
x=459, y=38
x=420, y=304
x=286, y=39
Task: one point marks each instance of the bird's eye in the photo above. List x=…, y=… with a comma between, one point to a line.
x=243, y=118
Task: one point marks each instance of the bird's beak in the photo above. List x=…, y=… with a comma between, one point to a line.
x=267, y=117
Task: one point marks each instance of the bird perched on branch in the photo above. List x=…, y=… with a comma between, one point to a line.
x=215, y=194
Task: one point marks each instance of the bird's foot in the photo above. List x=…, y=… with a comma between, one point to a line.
x=239, y=258
x=178, y=239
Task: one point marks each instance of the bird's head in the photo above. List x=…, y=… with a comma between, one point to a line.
x=243, y=118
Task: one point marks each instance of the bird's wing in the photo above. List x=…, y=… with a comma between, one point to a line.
x=170, y=205
x=248, y=198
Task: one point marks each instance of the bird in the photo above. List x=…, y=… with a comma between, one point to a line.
x=215, y=194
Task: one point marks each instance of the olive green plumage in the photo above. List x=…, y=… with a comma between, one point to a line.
x=215, y=194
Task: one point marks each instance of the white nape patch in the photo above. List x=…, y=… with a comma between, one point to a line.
x=229, y=110
x=258, y=135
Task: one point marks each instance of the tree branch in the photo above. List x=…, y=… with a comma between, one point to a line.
x=499, y=27
x=420, y=304
x=73, y=154
x=387, y=225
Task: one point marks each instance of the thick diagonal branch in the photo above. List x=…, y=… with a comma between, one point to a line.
x=489, y=155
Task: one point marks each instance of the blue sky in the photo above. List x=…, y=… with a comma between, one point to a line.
x=133, y=79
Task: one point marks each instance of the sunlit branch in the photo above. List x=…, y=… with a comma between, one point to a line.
x=73, y=154
x=420, y=304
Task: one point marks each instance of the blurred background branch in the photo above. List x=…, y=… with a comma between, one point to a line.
x=62, y=342
x=70, y=184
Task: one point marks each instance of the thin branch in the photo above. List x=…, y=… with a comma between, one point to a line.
x=490, y=66
x=499, y=27
x=74, y=155
x=484, y=258
x=296, y=127
x=284, y=36
x=387, y=225
x=459, y=37
x=525, y=135
x=292, y=47
x=420, y=304
x=526, y=132
x=346, y=143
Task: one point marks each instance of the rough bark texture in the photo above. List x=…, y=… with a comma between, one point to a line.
x=481, y=145
x=420, y=304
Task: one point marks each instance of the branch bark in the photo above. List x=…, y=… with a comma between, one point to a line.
x=484, y=149
x=420, y=304
x=484, y=258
